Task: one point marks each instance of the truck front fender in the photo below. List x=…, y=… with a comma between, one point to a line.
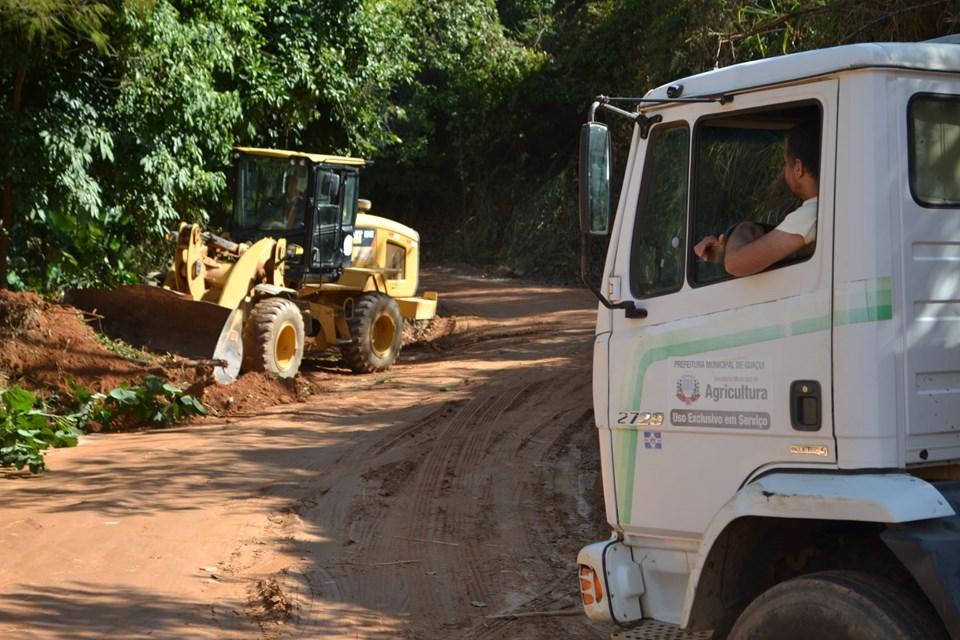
x=885, y=498
x=930, y=551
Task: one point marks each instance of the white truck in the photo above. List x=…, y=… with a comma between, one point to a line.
x=779, y=450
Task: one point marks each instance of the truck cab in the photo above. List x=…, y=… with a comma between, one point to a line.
x=795, y=431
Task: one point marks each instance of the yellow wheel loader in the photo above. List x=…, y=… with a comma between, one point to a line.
x=304, y=261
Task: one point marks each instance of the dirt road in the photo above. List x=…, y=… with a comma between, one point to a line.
x=432, y=501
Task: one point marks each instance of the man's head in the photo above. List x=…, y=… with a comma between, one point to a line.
x=294, y=189
x=801, y=161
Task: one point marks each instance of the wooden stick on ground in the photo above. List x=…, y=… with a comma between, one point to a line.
x=536, y=614
x=387, y=564
x=449, y=544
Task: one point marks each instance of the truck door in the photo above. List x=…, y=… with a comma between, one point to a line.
x=930, y=229
x=725, y=376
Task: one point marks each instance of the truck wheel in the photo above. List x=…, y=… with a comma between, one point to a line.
x=839, y=605
x=376, y=330
x=273, y=338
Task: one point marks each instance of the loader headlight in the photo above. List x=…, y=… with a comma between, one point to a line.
x=348, y=244
x=294, y=251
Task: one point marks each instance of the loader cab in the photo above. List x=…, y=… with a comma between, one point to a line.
x=308, y=199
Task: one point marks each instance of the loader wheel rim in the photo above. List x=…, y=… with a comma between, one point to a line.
x=381, y=338
x=285, y=346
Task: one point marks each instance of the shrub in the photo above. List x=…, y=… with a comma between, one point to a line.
x=27, y=430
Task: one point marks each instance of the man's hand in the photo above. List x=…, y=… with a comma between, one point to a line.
x=711, y=249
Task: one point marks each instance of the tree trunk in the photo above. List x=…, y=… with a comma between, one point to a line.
x=6, y=204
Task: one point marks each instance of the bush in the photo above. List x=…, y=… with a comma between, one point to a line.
x=28, y=427
x=27, y=430
x=156, y=402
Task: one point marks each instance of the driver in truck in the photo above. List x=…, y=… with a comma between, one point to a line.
x=747, y=248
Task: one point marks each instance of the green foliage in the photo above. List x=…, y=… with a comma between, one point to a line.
x=175, y=118
x=28, y=426
x=156, y=402
x=123, y=349
x=323, y=73
x=118, y=117
x=54, y=25
x=27, y=430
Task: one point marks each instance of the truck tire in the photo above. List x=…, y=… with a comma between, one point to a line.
x=376, y=330
x=273, y=338
x=839, y=605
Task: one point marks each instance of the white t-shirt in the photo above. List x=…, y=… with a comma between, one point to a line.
x=802, y=221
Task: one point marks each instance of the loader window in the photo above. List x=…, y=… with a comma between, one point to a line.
x=349, y=214
x=326, y=239
x=271, y=197
x=396, y=261
x=739, y=177
x=934, y=135
x=656, y=257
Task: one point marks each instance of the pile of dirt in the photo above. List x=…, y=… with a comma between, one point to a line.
x=253, y=391
x=424, y=332
x=44, y=347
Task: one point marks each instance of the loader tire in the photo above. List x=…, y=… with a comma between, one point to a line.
x=273, y=338
x=376, y=330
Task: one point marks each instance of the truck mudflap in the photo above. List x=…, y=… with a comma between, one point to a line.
x=611, y=583
x=930, y=550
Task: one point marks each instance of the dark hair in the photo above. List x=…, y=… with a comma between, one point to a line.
x=803, y=144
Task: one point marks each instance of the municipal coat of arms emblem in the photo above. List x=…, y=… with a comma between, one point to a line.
x=688, y=389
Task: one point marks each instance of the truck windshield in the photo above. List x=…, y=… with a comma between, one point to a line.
x=271, y=197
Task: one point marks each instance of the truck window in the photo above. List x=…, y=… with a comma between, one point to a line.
x=934, y=141
x=656, y=263
x=738, y=176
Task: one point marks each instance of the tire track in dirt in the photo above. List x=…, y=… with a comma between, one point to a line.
x=383, y=468
x=541, y=528
x=442, y=502
x=389, y=506
x=452, y=513
x=449, y=495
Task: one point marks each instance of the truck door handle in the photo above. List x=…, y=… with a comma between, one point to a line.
x=805, y=405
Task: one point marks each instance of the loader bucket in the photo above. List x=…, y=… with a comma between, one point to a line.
x=162, y=320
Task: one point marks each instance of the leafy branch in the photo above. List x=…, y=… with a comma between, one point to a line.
x=28, y=427
x=27, y=430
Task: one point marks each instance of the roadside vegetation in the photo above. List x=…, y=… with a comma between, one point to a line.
x=118, y=117
x=30, y=425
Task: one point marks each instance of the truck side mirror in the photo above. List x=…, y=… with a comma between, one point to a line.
x=595, y=161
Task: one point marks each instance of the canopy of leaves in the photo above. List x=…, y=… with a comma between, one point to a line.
x=118, y=116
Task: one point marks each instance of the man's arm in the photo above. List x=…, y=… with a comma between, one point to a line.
x=746, y=255
x=710, y=249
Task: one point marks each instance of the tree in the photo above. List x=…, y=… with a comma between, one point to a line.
x=34, y=35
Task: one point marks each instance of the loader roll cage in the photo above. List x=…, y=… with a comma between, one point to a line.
x=310, y=203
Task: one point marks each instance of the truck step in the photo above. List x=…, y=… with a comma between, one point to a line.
x=656, y=630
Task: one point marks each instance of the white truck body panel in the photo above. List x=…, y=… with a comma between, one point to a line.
x=929, y=239
x=763, y=331
x=797, y=67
